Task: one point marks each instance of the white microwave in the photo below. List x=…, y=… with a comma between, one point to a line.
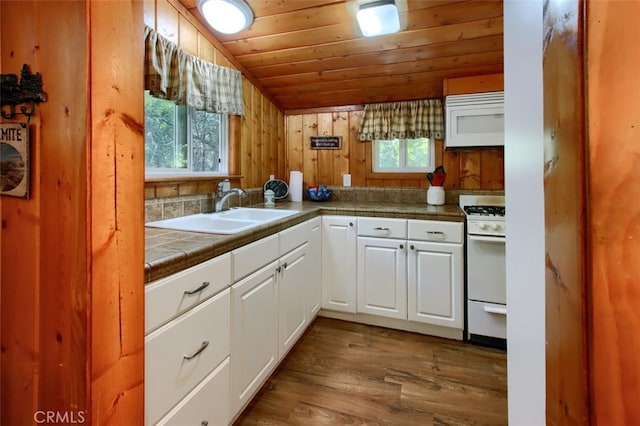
x=474, y=120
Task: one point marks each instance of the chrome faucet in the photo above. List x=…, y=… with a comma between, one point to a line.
x=222, y=195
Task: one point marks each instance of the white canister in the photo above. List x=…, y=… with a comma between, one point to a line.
x=435, y=195
x=269, y=198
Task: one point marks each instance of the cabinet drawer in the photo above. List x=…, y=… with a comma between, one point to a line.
x=169, y=297
x=435, y=230
x=293, y=237
x=208, y=402
x=169, y=375
x=487, y=319
x=382, y=227
x=254, y=256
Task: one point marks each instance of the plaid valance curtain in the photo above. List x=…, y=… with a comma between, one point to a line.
x=173, y=74
x=402, y=120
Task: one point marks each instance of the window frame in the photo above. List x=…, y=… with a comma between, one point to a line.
x=374, y=168
x=183, y=116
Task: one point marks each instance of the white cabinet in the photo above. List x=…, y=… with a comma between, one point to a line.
x=181, y=354
x=208, y=403
x=271, y=307
x=382, y=267
x=339, y=263
x=254, y=341
x=435, y=273
x=314, y=276
x=167, y=298
x=292, y=291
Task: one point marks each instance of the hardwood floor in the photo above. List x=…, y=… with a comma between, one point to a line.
x=346, y=373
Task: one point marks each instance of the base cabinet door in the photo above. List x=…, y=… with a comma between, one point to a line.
x=314, y=267
x=293, y=271
x=382, y=277
x=339, y=263
x=254, y=339
x=435, y=283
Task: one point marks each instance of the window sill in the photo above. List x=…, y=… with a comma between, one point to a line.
x=167, y=178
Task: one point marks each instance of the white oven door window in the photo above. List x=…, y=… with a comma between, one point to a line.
x=486, y=269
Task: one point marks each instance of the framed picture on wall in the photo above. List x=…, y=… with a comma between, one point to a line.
x=14, y=159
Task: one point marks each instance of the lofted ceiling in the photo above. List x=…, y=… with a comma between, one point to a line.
x=310, y=54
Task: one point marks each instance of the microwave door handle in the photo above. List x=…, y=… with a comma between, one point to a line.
x=499, y=240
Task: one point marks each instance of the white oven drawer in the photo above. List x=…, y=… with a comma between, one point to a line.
x=487, y=319
x=382, y=227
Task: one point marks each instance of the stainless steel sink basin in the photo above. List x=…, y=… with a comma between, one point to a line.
x=227, y=222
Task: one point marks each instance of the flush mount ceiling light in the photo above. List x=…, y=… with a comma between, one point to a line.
x=378, y=17
x=226, y=16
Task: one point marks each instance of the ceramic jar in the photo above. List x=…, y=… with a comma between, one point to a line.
x=435, y=195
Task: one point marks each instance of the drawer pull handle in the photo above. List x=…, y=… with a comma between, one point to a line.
x=379, y=228
x=204, y=423
x=492, y=310
x=198, y=352
x=436, y=235
x=204, y=285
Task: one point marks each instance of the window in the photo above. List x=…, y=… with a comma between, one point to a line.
x=403, y=155
x=181, y=140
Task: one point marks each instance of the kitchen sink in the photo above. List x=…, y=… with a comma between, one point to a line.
x=254, y=214
x=229, y=221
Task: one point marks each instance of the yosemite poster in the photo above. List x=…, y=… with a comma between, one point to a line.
x=14, y=159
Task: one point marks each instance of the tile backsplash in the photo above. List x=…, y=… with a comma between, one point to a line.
x=182, y=205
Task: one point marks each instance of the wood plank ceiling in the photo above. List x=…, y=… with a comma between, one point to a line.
x=310, y=53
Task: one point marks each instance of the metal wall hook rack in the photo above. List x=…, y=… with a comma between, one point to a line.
x=22, y=95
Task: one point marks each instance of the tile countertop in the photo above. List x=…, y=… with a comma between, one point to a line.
x=168, y=251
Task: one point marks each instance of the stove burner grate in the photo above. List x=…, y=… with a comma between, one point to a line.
x=485, y=210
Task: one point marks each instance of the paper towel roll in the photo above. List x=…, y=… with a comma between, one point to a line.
x=295, y=186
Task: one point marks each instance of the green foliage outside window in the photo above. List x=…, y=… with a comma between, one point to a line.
x=180, y=138
x=402, y=155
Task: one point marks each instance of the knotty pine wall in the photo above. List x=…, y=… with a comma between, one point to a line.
x=469, y=169
x=257, y=144
x=72, y=267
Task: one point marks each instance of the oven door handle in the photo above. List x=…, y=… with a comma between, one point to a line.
x=499, y=240
x=493, y=310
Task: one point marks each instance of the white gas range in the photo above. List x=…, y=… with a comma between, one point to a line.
x=486, y=287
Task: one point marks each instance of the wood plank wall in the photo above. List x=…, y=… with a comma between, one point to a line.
x=257, y=147
x=564, y=202
x=468, y=169
x=613, y=229
x=72, y=254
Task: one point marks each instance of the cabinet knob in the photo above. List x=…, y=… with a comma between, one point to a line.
x=278, y=269
x=401, y=246
x=350, y=223
x=412, y=247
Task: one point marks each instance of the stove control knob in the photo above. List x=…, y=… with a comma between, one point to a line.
x=496, y=226
x=483, y=226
